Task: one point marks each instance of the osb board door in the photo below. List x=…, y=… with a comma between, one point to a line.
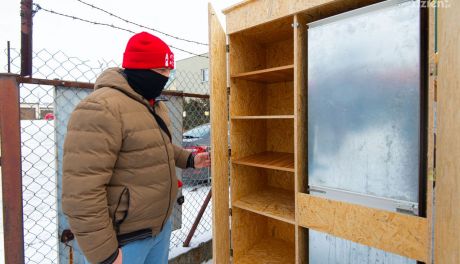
x=219, y=140
x=364, y=134
x=447, y=221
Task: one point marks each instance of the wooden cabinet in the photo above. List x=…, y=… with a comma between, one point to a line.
x=262, y=142
x=262, y=102
x=263, y=211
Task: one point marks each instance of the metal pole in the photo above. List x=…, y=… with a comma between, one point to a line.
x=26, y=37
x=197, y=219
x=10, y=138
x=8, y=55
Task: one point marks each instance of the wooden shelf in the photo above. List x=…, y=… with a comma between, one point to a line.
x=272, y=75
x=269, y=250
x=263, y=117
x=269, y=160
x=271, y=202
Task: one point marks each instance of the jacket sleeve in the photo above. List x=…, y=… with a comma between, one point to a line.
x=91, y=148
x=181, y=156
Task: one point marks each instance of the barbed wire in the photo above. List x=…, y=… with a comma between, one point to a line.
x=139, y=25
x=38, y=8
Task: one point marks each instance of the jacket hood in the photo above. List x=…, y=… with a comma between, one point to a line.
x=114, y=78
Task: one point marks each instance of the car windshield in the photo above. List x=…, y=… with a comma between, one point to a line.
x=197, y=132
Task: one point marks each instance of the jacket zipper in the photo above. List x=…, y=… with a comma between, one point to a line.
x=170, y=174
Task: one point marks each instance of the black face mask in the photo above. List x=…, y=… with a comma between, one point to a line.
x=147, y=83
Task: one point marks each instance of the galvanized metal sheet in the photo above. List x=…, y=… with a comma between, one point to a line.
x=364, y=117
x=364, y=113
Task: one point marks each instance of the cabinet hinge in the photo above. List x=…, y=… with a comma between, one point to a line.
x=0, y=161
x=228, y=90
x=230, y=211
x=432, y=175
x=231, y=252
x=227, y=48
x=434, y=65
x=229, y=152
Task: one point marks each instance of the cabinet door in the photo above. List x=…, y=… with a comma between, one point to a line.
x=447, y=222
x=364, y=129
x=219, y=140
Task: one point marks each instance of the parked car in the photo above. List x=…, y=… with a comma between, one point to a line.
x=197, y=140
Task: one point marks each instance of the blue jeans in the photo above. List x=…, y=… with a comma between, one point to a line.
x=152, y=250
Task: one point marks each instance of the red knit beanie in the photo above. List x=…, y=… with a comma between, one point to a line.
x=145, y=51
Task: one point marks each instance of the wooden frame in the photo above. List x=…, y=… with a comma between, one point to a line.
x=219, y=153
x=447, y=224
x=269, y=187
x=248, y=14
x=262, y=119
x=301, y=134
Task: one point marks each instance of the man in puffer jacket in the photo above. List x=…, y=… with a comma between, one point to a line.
x=119, y=179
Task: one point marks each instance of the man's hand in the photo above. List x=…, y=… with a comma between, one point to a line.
x=202, y=160
x=119, y=259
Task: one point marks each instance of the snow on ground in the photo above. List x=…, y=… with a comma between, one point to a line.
x=40, y=199
x=196, y=241
x=194, y=197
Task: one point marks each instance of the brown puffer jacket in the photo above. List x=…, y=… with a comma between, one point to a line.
x=118, y=168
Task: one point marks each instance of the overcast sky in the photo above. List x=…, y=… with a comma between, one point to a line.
x=183, y=18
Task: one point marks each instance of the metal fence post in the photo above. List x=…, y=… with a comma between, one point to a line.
x=11, y=169
x=26, y=37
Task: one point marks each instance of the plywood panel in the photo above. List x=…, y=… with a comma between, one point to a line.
x=250, y=14
x=280, y=135
x=263, y=117
x=300, y=128
x=447, y=226
x=248, y=229
x=280, y=230
x=393, y=232
x=273, y=244
x=271, y=202
x=246, y=180
x=280, y=179
x=262, y=48
x=269, y=160
x=250, y=98
x=279, y=98
x=246, y=98
x=268, y=251
x=270, y=75
x=272, y=32
x=245, y=55
x=219, y=134
x=282, y=52
x=248, y=137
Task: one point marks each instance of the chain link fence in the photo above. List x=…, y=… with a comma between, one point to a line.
x=45, y=110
